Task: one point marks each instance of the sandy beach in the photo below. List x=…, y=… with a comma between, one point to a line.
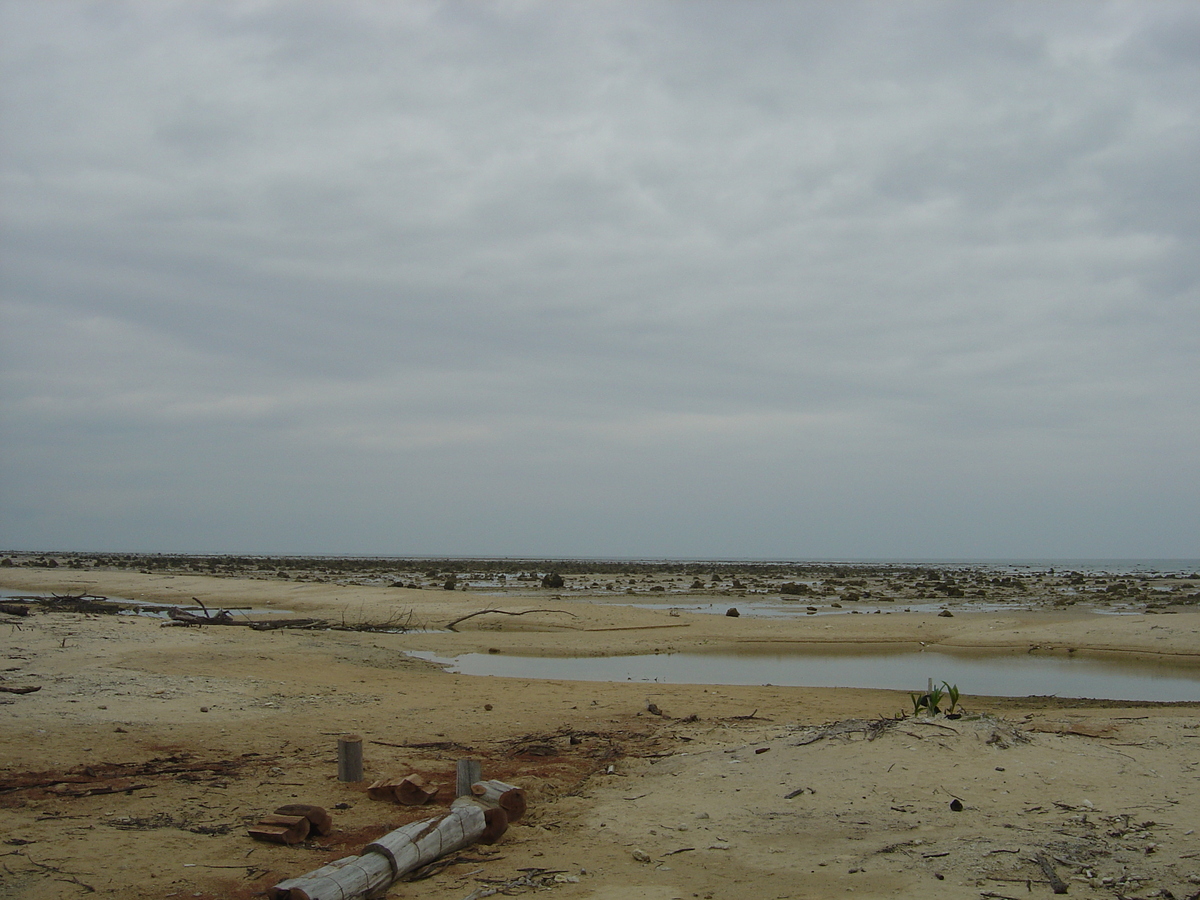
x=135, y=768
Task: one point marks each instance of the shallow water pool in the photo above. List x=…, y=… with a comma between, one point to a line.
x=1015, y=675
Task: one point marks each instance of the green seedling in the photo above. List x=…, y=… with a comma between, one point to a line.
x=952, y=693
x=935, y=699
x=929, y=702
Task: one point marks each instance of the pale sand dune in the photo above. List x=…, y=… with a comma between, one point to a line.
x=1077, y=781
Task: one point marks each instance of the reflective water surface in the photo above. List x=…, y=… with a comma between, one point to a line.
x=1016, y=675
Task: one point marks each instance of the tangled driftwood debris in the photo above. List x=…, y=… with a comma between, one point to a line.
x=184, y=617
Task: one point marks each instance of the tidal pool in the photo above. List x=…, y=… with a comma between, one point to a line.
x=1014, y=675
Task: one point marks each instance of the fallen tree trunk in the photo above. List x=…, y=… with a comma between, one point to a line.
x=14, y=609
x=507, y=797
x=395, y=854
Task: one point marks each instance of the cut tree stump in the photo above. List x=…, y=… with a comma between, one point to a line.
x=393, y=855
x=280, y=829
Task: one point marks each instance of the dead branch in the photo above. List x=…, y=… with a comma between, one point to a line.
x=1056, y=884
x=505, y=612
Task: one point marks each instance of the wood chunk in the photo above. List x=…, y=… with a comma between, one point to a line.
x=280, y=829
x=319, y=820
x=383, y=789
x=413, y=790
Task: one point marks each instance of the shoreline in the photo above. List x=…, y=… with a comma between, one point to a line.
x=630, y=630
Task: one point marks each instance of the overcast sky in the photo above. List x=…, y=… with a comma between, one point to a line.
x=681, y=279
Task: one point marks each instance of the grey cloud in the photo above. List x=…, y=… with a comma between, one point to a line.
x=761, y=263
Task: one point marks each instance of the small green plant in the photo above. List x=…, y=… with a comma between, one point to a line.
x=952, y=693
x=935, y=700
x=929, y=702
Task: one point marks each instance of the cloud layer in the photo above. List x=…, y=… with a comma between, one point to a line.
x=637, y=279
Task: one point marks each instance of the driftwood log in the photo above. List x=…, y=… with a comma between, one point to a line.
x=26, y=689
x=507, y=797
x=505, y=612
x=395, y=854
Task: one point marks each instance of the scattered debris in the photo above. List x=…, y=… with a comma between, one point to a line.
x=870, y=729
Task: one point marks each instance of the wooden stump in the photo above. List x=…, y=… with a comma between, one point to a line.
x=350, y=759
x=469, y=771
